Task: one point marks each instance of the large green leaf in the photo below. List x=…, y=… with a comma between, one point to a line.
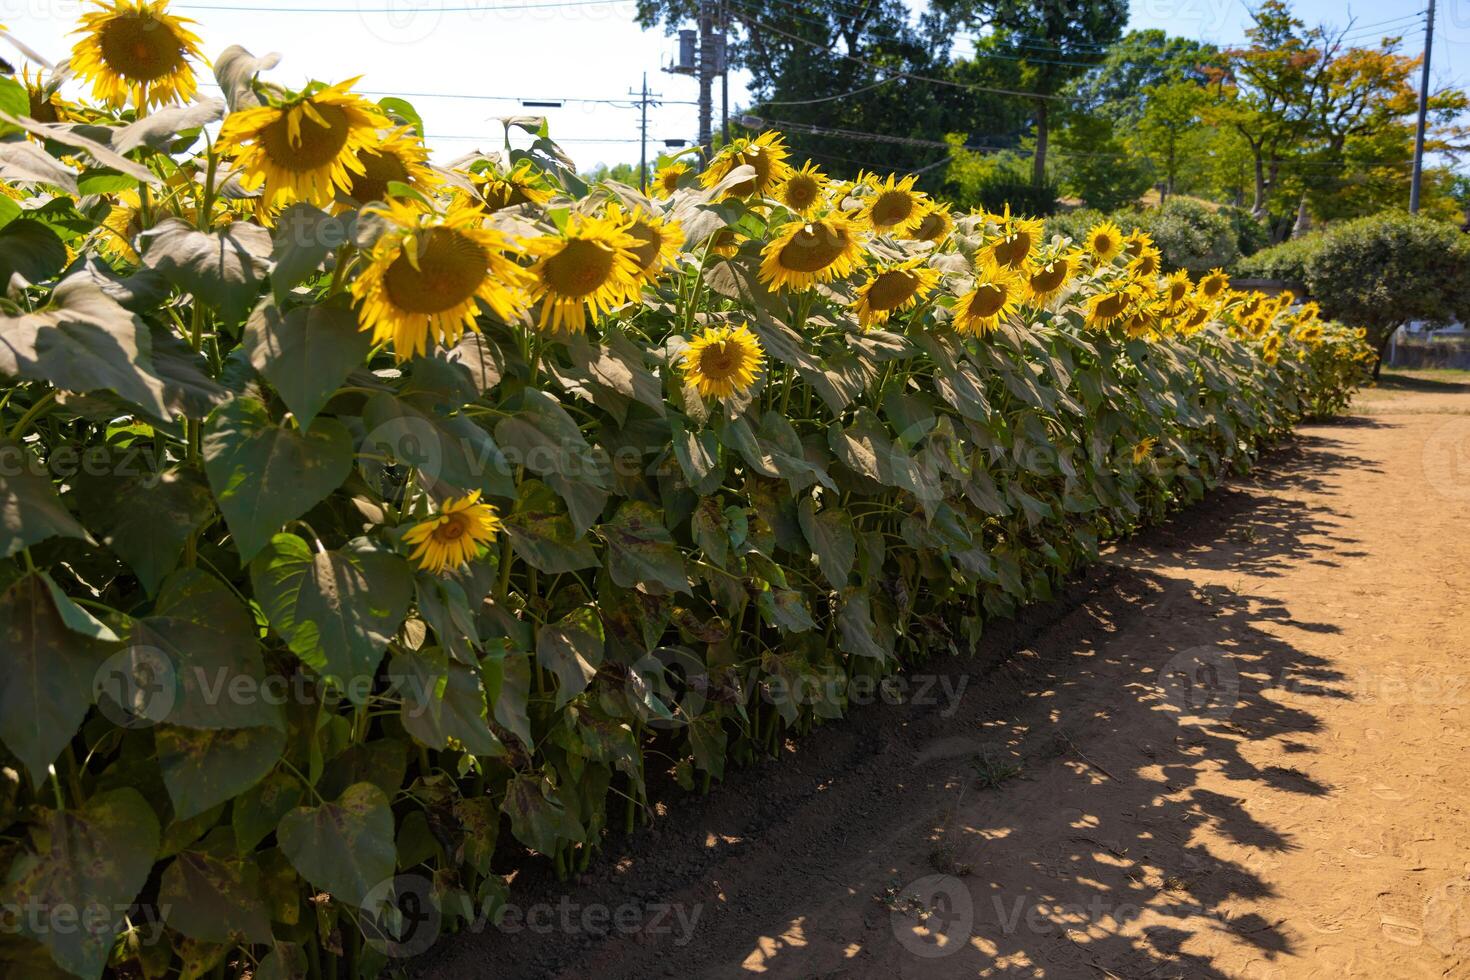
x=93, y=859
x=344, y=847
x=336, y=610
x=442, y=700
x=149, y=538
x=50, y=668
x=538, y=817
x=829, y=532
x=30, y=249
x=30, y=510
x=448, y=449
x=641, y=551
x=542, y=437
x=306, y=353
x=305, y=235
x=543, y=535
x=215, y=898
x=202, y=769
x=571, y=649
x=264, y=474
x=225, y=269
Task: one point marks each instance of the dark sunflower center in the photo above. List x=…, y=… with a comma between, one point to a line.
x=450, y=268
x=892, y=208
x=720, y=360
x=1177, y=291
x=670, y=182
x=140, y=48
x=378, y=170
x=801, y=192
x=892, y=289
x=761, y=161
x=649, y=239
x=814, y=248
x=317, y=145
x=1148, y=265
x=989, y=299
x=580, y=268
x=1012, y=250
x=1111, y=305
x=1103, y=244
x=931, y=227
x=1211, y=287
x=452, y=529
x=1049, y=278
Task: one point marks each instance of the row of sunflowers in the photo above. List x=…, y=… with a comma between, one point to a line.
x=369, y=524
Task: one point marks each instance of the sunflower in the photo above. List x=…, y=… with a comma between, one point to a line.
x=723, y=361
x=936, y=226
x=1047, y=275
x=1176, y=288
x=1015, y=240
x=766, y=153
x=894, y=288
x=425, y=277
x=1144, y=450
x=895, y=208
x=591, y=264
x=658, y=240
x=1104, y=241
x=454, y=536
x=1145, y=265
x=1112, y=304
x=671, y=175
x=1213, y=283
x=400, y=158
x=1271, y=349
x=804, y=191
x=1137, y=242
x=804, y=254
x=1191, y=317
x=303, y=149
x=524, y=183
x=45, y=104
x=136, y=46
x=998, y=290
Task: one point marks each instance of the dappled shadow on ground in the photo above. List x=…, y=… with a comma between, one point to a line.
x=1063, y=797
x=1447, y=384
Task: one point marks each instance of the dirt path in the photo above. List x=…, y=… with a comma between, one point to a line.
x=1239, y=748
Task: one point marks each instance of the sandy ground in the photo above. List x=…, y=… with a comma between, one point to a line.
x=1239, y=748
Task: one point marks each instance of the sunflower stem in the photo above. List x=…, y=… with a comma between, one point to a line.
x=36, y=410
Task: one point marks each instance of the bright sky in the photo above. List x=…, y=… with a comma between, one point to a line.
x=464, y=62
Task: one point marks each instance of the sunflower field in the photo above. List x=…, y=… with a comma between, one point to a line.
x=366, y=517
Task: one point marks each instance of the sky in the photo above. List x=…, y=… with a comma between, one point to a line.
x=465, y=62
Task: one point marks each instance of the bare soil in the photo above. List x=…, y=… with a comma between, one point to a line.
x=1239, y=747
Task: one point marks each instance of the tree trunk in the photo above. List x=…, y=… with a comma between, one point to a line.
x=1038, y=163
x=1258, y=206
x=1303, y=219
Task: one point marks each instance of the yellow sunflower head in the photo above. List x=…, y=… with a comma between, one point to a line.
x=725, y=243
x=671, y=176
x=1146, y=263
x=806, y=253
x=1136, y=242
x=804, y=191
x=45, y=106
x=1144, y=450
x=723, y=361
x=1176, y=287
x=1015, y=239
x=894, y=207
x=304, y=148
x=400, y=158
x=592, y=264
x=454, y=536
x=937, y=224
x=892, y=289
x=998, y=291
x=1271, y=348
x=1104, y=241
x=1111, y=304
x=767, y=153
x=524, y=183
x=136, y=48
x=1213, y=283
x=424, y=279
x=1046, y=276
x=658, y=239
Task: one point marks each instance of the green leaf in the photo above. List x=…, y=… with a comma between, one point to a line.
x=46, y=686
x=641, y=551
x=542, y=437
x=336, y=610
x=214, y=899
x=105, y=182
x=698, y=454
x=543, y=535
x=707, y=739
x=855, y=628
x=264, y=475
x=224, y=269
x=572, y=650
x=448, y=449
x=442, y=700
x=30, y=510
x=30, y=249
x=151, y=538
x=305, y=236
x=786, y=609
x=345, y=847
x=866, y=448
x=537, y=817
x=305, y=354
x=829, y=532
x=255, y=812
x=202, y=769
x=96, y=857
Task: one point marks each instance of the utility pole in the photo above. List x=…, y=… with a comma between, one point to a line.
x=724, y=48
x=706, y=74
x=1418, y=178
x=643, y=136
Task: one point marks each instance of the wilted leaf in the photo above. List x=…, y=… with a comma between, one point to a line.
x=641, y=550
x=214, y=899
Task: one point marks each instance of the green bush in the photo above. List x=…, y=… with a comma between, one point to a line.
x=1189, y=235
x=1251, y=233
x=1286, y=261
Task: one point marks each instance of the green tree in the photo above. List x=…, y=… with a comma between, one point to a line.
x=1096, y=164
x=1139, y=61
x=1172, y=112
